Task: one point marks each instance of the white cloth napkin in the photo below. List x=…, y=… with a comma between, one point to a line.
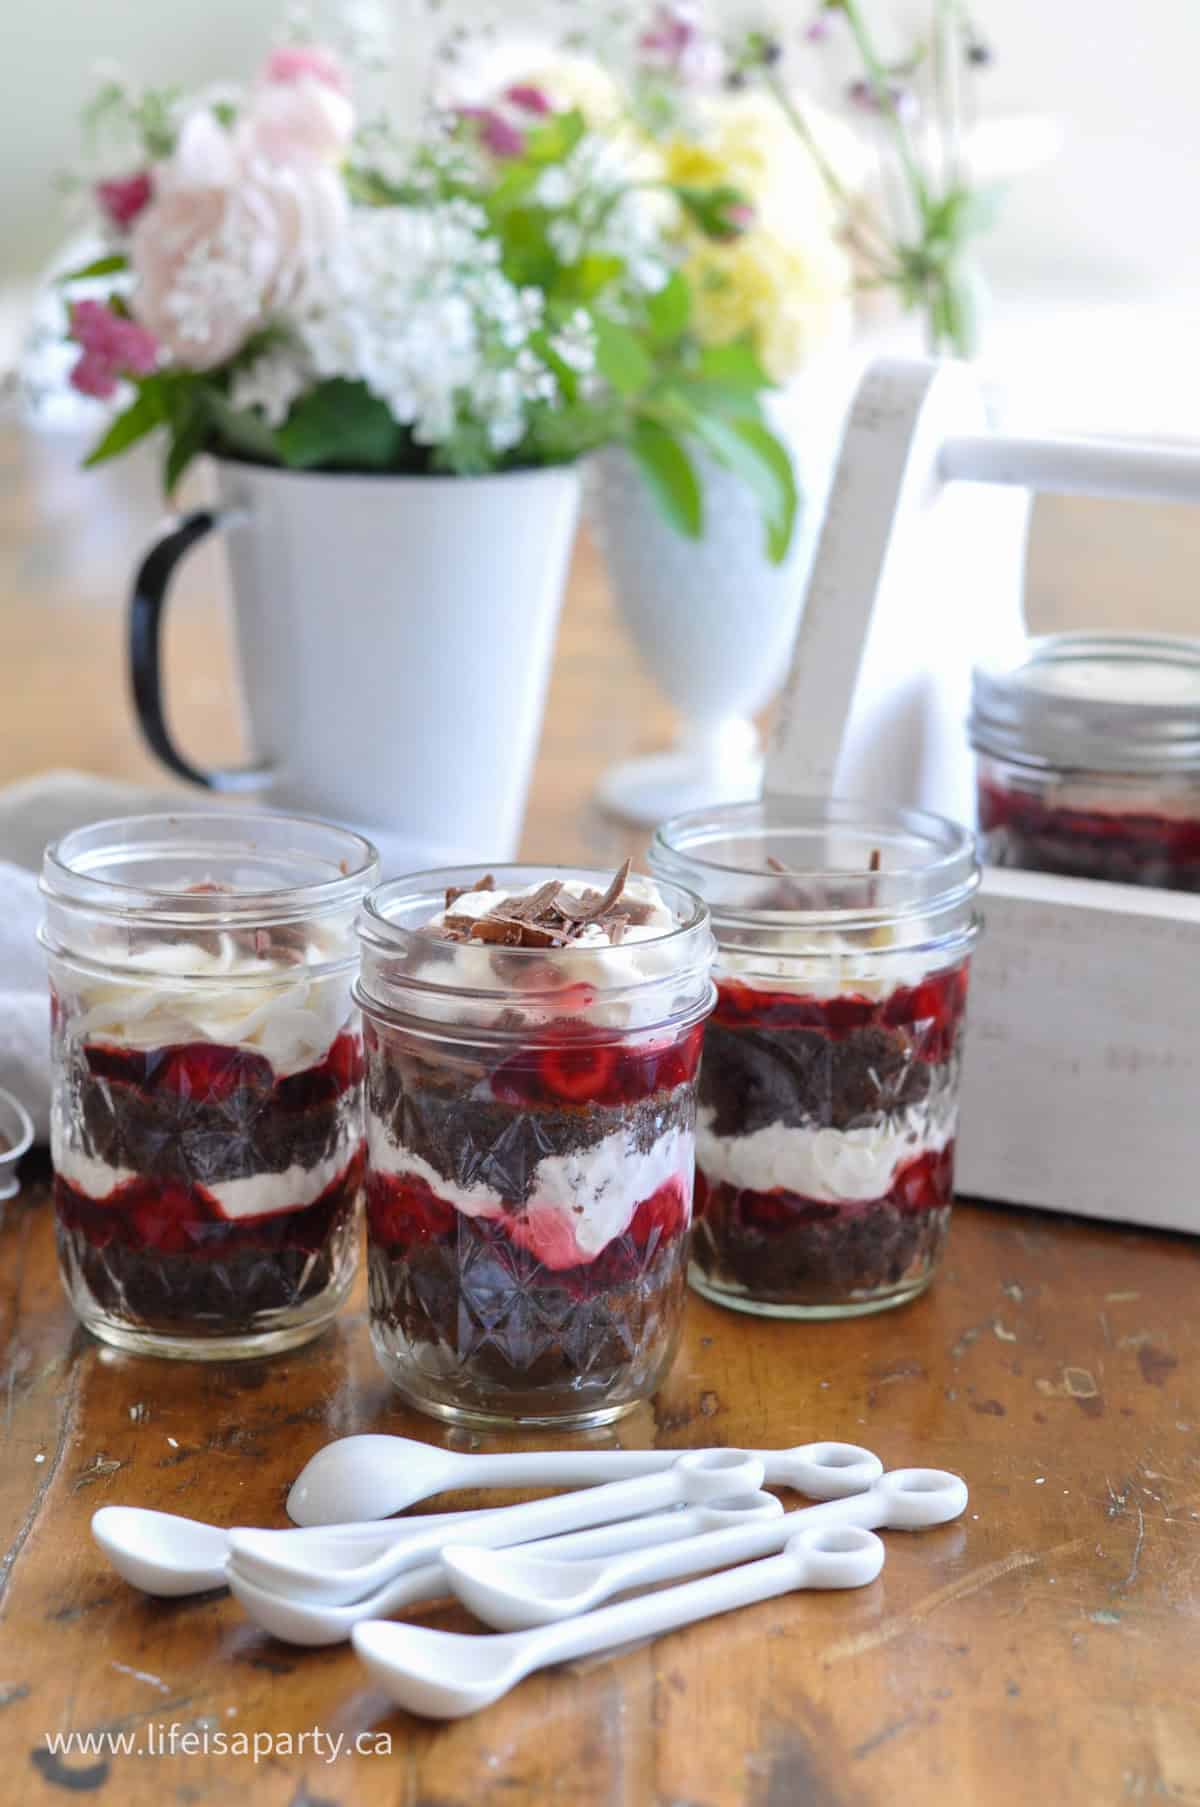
x=37, y=811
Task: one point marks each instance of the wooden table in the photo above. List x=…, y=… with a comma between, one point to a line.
x=1043, y=1650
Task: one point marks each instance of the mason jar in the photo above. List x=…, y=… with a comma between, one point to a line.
x=530, y=1138
x=829, y=1088
x=206, y=1118
x=1088, y=751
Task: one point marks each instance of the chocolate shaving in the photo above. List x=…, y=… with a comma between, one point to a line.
x=548, y=917
x=876, y=860
x=454, y=892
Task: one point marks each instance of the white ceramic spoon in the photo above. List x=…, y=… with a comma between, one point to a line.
x=445, y=1675
x=167, y=1555
x=341, y=1574
x=371, y=1476
x=514, y=1589
x=314, y=1622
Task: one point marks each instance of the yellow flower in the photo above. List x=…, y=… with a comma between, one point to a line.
x=786, y=279
x=788, y=295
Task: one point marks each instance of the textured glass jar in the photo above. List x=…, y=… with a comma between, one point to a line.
x=206, y=1119
x=1089, y=759
x=829, y=1087
x=530, y=1136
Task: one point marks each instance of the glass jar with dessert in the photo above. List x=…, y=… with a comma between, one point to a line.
x=206, y=1117
x=829, y=1089
x=1088, y=750
x=532, y=1042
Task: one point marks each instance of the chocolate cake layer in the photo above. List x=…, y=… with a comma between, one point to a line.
x=753, y=1078
x=823, y=1260
x=225, y=1287
x=474, y=1139
x=475, y=1322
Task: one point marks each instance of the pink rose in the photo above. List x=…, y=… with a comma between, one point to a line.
x=122, y=200
x=497, y=134
x=296, y=122
x=295, y=62
x=229, y=238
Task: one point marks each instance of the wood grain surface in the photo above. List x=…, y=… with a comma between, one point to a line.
x=1043, y=1650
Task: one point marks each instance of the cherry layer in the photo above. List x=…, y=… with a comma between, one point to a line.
x=923, y=1184
x=404, y=1213
x=211, y=1073
x=1129, y=833
x=579, y=1067
x=931, y=1011
x=187, y=1220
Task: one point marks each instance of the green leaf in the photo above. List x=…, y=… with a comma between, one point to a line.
x=146, y=412
x=735, y=365
x=111, y=265
x=669, y=309
x=594, y=271
x=668, y=470
x=554, y=141
x=752, y=452
x=714, y=211
x=339, y=425
x=621, y=358
x=190, y=430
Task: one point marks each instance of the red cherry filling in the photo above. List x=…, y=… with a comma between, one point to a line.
x=211, y=1073
x=577, y=1069
x=580, y=1074
x=931, y=1012
x=922, y=1184
x=403, y=1210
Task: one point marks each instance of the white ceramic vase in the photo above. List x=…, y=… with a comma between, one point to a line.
x=394, y=636
x=712, y=619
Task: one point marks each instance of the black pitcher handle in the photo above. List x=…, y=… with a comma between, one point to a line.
x=146, y=606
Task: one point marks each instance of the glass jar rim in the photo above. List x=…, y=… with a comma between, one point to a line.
x=386, y=986
x=70, y=878
x=1020, y=713
x=682, y=849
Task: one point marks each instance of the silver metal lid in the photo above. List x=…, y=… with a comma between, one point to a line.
x=1093, y=702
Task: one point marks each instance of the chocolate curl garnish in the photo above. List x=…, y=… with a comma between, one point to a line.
x=454, y=892
x=549, y=917
x=876, y=860
x=789, y=896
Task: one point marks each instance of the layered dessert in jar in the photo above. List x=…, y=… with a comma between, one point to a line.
x=1088, y=754
x=206, y=1119
x=533, y=1039
x=828, y=1096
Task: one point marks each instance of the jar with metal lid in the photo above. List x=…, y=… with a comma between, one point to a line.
x=1088, y=753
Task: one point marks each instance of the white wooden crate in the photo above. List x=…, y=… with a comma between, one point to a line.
x=1083, y=1046
x=1081, y=1088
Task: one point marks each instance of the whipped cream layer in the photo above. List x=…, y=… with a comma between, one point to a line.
x=253, y=1195
x=212, y=991
x=829, y=1166
x=834, y=966
x=579, y=1202
x=597, y=961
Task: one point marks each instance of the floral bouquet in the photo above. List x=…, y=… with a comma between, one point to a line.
x=515, y=285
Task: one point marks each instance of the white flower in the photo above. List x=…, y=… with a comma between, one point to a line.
x=575, y=343
x=272, y=383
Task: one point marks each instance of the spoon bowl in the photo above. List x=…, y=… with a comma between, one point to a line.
x=445, y=1675
x=516, y=1589
x=160, y=1552
x=372, y=1476
x=327, y=1569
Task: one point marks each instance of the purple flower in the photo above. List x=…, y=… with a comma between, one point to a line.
x=497, y=134
x=112, y=347
x=528, y=98
x=124, y=198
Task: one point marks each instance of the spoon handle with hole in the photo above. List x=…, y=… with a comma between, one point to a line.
x=653, y=1614
x=905, y=1499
